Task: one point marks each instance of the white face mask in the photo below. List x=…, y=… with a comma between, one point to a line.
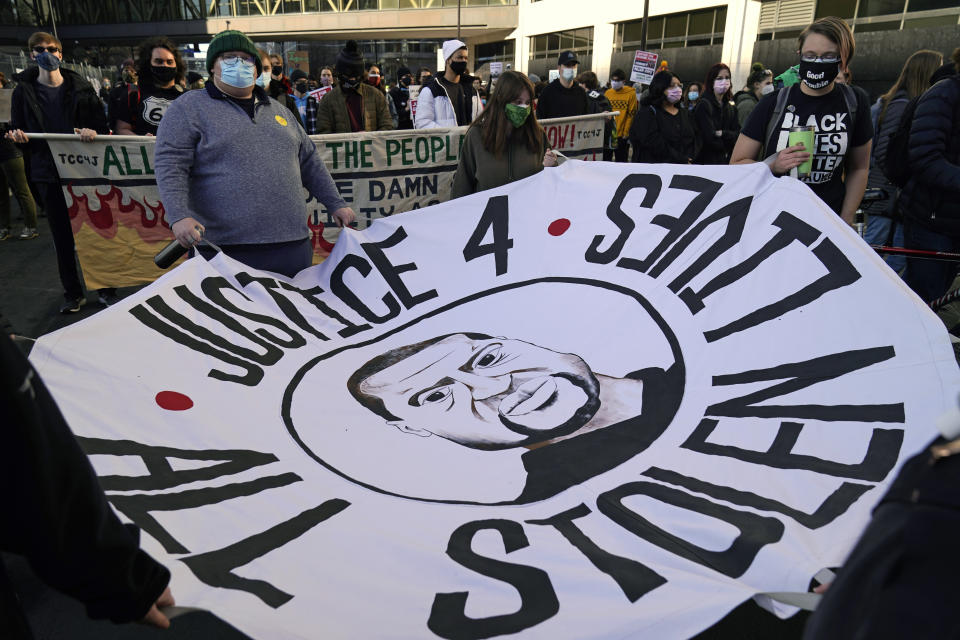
x=767, y=89
x=568, y=73
x=616, y=85
x=263, y=80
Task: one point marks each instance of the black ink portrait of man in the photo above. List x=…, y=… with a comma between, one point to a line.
x=492, y=394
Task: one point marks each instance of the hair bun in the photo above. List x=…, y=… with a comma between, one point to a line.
x=758, y=66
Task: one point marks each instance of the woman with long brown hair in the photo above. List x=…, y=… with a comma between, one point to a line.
x=886, y=113
x=505, y=143
x=716, y=117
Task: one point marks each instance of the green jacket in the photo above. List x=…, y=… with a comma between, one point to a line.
x=332, y=115
x=480, y=170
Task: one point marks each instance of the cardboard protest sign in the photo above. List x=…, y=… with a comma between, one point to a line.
x=608, y=400
x=644, y=67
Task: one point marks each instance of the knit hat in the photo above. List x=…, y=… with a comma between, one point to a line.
x=450, y=47
x=298, y=74
x=350, y=60
x=231, y=40
x=403, y=71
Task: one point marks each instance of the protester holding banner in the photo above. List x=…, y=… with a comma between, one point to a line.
x=663, y=130
x=13, y=177
x=158, y=65
x=353, y=105
x=563, y=97
x=716, y=117
x=400, y=95
x=449, y=100
x=839, y=114
x=504, y=144
x=57, y=517
x=624, y=100
x=51, y=99
x=306, y=105
x=252, y=206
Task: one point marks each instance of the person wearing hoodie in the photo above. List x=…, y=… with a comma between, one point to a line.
x=624, y=100
x=450, y=99
x=51, y=99
x=400, y=95
x=353, y=105
x=759, y=84
x=563, y=97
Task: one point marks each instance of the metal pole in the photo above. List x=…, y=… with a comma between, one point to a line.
x=53, y=21
x=643, y=26
x=458, y=18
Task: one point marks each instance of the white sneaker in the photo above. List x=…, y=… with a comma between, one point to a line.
x=28, y=233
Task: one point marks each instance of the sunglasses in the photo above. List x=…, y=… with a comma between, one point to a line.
x=51, y=49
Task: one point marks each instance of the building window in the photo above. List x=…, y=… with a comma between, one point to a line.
x=688, y=29
x=549, y=45
x=780, y=18
x=495, y=52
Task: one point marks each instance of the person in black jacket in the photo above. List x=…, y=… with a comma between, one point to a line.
x=930, y=200
x=57, y=517
x=716, y=117
x=49, y=99
x=883, y=224
x=400, y=95
x=663, y=130
x=563, y=97
x=598, y=103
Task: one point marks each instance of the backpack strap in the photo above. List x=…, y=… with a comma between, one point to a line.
x=781, y=104
x=850, y=100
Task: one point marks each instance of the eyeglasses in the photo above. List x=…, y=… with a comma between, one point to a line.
x=233, y=58
x=827, y=57
x=51, y=49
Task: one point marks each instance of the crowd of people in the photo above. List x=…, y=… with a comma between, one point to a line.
x=671, y=120
x=233, y=152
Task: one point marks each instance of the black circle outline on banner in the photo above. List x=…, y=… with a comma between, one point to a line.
x=285, y=409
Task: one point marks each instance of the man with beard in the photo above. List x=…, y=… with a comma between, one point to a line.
x=495, y=393
x=159, y=64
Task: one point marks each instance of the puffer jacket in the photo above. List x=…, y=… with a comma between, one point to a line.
x=932, y=195
x=881, y=139
x=434, y=108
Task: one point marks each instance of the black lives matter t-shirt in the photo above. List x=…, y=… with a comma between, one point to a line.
x=144, y=114
x=835, y=134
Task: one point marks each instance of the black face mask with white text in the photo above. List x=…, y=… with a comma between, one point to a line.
x=817, y=75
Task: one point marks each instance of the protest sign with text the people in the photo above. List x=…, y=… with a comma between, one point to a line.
x=608, y=400
x=118, y=219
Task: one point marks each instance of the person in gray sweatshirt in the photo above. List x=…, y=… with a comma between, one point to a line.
x=231, y=165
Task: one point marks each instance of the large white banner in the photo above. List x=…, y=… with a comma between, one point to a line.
x=606, y=401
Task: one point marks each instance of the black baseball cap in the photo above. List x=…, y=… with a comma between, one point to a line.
x=567, y=58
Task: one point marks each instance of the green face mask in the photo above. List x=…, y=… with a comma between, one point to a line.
x=517, y=114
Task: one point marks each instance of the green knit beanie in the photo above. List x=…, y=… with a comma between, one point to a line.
x=231, y=40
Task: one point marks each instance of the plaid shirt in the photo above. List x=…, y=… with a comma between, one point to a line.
x=309, y=116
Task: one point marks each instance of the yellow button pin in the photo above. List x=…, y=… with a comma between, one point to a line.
x=281, y=120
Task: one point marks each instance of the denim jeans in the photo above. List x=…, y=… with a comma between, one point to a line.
x=878, y=233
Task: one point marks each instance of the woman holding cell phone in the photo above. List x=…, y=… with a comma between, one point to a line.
x=818, y=131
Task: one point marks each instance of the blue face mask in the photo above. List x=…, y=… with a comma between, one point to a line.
x=48, y=61
x=238, y=74
x=693, y=95
x=263, y=80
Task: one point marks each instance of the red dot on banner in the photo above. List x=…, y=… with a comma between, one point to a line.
x=558, y=227
x=173, y=401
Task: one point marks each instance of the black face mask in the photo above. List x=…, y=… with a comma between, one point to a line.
x=458, y=67
x=163, y=74
x=406, y=80
x=817, y=75
x=301, y=87
x=348, y=83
